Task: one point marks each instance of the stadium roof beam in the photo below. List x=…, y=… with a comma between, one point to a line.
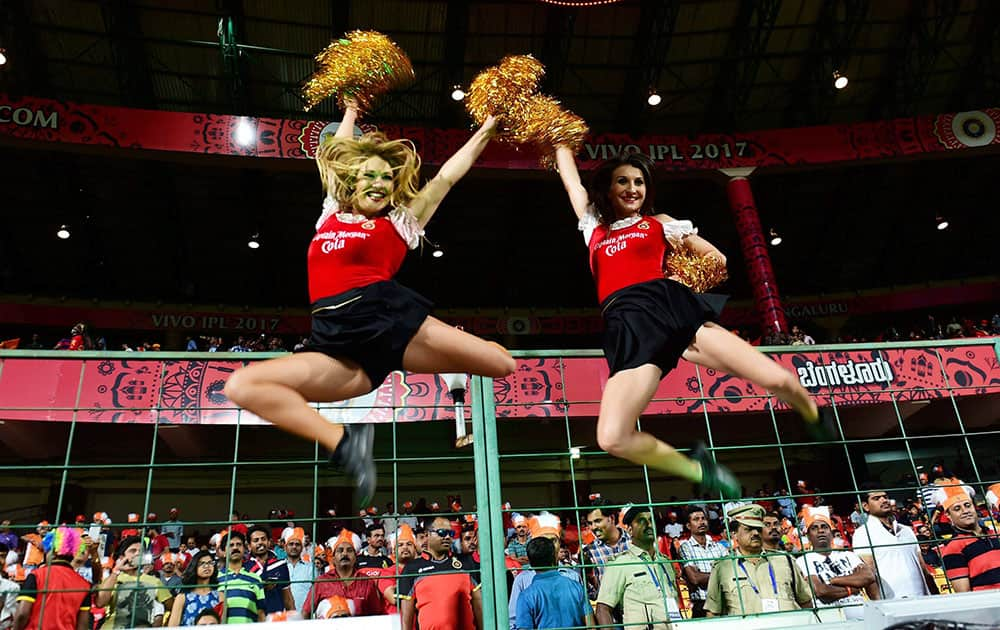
x=27, y=64
x=748, y=39
x=559, y=25
x=921, y=41
x=122, y=23
x=657, y=20
x=837, y=28
x=978, y=84
x=456, y=32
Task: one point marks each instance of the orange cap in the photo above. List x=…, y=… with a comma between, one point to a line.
x=952, y=493
x=335, y=606
x=298, y=534
x=820, y=514
x=405, y=532
x=545, y=524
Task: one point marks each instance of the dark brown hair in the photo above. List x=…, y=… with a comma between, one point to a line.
x=600, y=184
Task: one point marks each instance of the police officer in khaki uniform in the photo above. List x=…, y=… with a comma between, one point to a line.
x=747, y=582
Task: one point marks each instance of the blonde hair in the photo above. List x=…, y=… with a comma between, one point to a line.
x=340, y=159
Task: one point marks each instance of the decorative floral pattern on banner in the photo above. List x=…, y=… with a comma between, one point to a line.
x=190, y=391
x=47, y=120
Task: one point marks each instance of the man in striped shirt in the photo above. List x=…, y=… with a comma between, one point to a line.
x=243, y=590
x=972, y=556
x=609, y=541
x=699, y=553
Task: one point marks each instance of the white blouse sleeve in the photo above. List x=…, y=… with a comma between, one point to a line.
x=406, y=226
x=675, y=231
x=588, y=223
x=330, y=207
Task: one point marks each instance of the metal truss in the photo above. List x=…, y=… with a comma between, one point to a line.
x=837, y=28
x=657, y=19
x=921, y=41
x=747, y=43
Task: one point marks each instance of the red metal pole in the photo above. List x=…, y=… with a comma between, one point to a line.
x=753, y=242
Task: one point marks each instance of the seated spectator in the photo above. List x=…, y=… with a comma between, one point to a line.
x=638, y=580
x=929, y=551
x=469, y=541
x=517, y=545
x=200, y=578
x=343, y=579
x=273, y=573
x=440, y=590
x=751, y=581
x=128, y=595
x=672, y=528
x=208, y=617
x=890, y=549
x=301, y=569
x=242, y=590
x=373, y=554
x=837, y=577
x=552, y=600
x=405, y=545
x=55, y=587
x=699, y=553
x=170, y=567
x=609, y=541
x=9, y=591
x=971, y=557
x=544, y=525
x=34, y=556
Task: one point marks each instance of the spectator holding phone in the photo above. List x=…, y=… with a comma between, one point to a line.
x=132, y=598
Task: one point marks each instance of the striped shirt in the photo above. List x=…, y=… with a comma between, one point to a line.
x=701, y=557
x=517, y=549
x=244, y=593
x=600, y=553
x=976, y=558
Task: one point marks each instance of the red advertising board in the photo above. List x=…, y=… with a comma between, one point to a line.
x=47, y=120
x=146, y=389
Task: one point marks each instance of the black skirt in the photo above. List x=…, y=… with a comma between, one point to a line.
x=370, y=325
x=654, y=322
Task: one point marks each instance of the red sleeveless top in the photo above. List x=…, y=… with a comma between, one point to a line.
x=627, y=256
x=344, y=255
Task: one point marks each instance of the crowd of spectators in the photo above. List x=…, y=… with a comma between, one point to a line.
x=928, y=328
x=606, y=564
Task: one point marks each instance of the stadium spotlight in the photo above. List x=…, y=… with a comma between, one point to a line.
x=942, y=223
x=3, y=56
x=245, y=133
x=654, y=97
x=839, y=80
x=775, y=239
x=437, y=253
x=254, y=242
x=63, y=232
x=457, y=93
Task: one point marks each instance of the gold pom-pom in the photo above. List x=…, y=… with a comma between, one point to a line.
x=361, y=66
x=547, y=125
x=698, y=273
x=504, y=90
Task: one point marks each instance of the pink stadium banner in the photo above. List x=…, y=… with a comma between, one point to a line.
x=202, y=320
x=46, y=120
x=146, y=389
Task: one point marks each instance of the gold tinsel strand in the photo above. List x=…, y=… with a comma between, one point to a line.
x=698, y=273
x=503, y=90
x=362, y=66
x=547, y=125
